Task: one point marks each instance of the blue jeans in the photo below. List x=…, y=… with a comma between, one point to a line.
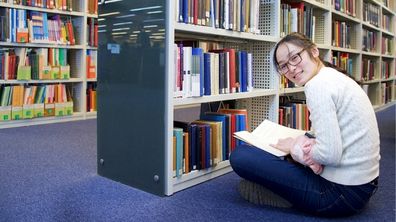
x=296, y=183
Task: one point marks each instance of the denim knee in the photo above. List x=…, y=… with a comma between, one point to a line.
x=237, y=158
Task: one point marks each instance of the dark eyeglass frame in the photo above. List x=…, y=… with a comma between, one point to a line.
x=294, y=60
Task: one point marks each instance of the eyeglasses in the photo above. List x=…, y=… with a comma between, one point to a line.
x=293, y=60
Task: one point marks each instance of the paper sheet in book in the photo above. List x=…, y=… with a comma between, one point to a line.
x=268, y=133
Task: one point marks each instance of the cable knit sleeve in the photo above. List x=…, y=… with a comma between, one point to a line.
x=302, y=153
x=321, y=102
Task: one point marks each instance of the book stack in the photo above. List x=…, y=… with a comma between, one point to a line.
x=216, y=71
x=206, y=142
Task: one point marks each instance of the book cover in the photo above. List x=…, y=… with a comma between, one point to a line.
x=268, y=133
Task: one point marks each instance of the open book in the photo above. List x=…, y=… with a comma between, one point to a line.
x=268, y=133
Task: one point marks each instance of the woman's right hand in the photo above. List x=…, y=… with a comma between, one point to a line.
x=285, y=144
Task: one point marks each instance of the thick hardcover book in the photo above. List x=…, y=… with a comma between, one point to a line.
x=268, y=133
x=178, y=133
x=207, y=79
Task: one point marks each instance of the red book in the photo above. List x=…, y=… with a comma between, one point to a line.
x=96, y=35
x=233, y=130
x=232, y=70
x=69, y=26
x=195, y=13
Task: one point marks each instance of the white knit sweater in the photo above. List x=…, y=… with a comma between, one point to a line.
x=345, y=126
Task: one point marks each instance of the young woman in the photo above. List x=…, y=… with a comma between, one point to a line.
x=338, y=170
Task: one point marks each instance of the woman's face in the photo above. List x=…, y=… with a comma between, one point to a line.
x=296, y=64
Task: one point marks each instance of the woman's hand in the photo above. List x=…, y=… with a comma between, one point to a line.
x=284, y=144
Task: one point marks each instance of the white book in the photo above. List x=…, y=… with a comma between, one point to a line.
x=226, y=7
x=227, y=72
x=268, y=133
x=293, y=20
x=195, y=76
x=249, y=72
x=216, y=75
x=313, y=28
x=187, y=57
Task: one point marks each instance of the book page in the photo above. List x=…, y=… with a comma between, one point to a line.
x=268, y=133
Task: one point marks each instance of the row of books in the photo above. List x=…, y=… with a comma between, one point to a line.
x=34, y=63
x=297, y=17
x=92, y=32
x=206, y=142
x=369, y=41
x=237, y=15
x=343, y=61
x=19, y=25
x=293, y=113
x=218, y=71
x=341, y=34
x=30, y=101
x=346, y=6
x=18, y=95
x=66, y=5
x=371, y=13
x=91, y=97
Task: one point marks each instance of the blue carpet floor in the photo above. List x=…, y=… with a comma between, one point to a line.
x=48, y=173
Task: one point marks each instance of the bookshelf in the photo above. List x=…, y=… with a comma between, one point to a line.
x=369, y=51
x=140, y=129
x=136, y=84
x=62, y=45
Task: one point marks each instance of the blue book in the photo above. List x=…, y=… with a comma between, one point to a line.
x=207, y=87
x=185, y=11
x=200, y=146
x=197, y=75
x=201, y=72
x=244, y=71
x=207, y=141
x=239, y=71
x=13, y=24
x=241, y=125
x=192, y=129
x=180, y=16
x=45, y=26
